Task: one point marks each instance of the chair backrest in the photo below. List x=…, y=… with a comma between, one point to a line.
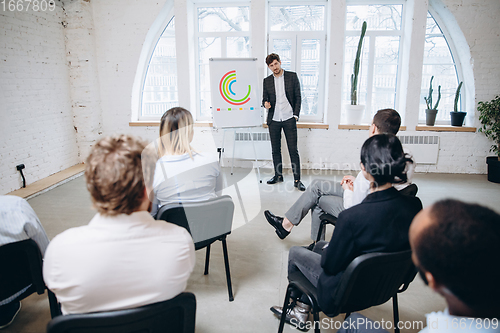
x=410, y=190
x=175, y=315
x=21, y=264
x=205, y=219
x=372, y=279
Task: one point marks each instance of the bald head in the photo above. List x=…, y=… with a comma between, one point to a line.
x=459, y=244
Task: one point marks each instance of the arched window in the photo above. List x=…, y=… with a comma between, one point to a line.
x=440, y=63
x=159, y=90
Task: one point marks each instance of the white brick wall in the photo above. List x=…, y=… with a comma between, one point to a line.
x=36, y=127
x=84, y=83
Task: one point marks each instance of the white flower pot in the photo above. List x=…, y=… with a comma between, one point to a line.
x=354, y=114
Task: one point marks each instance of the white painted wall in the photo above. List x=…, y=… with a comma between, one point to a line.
x=36, y=127
x=38, y=100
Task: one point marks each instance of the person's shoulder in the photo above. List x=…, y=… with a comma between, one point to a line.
x=69, y=237
x=410, y=202
x=205, y=158
x=8, y=202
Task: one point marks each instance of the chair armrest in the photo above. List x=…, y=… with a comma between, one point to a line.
x=327, y=218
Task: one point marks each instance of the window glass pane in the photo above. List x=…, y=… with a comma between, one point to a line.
x=385, y=73
x=160, y=85
x=209, y=47
x=309, y=75
x=438, y=62
x=297, y=18
x=283, y=47
x=217, y=19
x=351, y=48
x=377, y=17
x=238, y=47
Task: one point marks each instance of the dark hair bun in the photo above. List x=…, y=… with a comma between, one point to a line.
x=383, y=157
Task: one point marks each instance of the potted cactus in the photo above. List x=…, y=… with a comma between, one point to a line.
x=489, y=116
x=457, y=117
x=355, y=111
x=430, y=112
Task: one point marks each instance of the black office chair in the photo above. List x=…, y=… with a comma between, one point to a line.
x=173, y=316
x=21, y=264
x=410, y=190
x=369, y=280
x=207, y=221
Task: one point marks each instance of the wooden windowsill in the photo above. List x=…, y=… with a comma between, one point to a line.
x=308, y=125
x=363, y=127
x=210, y=124
x=157, y=123
x=442, y=128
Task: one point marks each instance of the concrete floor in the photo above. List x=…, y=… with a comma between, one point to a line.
x=258, y=259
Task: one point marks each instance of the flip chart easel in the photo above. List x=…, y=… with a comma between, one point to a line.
x=235, y=103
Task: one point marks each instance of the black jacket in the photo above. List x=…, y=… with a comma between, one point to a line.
x=380, y=223
x=292, y=92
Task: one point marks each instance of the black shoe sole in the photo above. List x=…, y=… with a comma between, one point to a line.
x=300, y=189
x=298, y=325
x=281, y=233
x=279, y=180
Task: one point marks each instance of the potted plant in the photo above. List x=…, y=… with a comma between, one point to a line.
x=489, y=116
x=355, y=111
x=457, y=117
x=430, y=112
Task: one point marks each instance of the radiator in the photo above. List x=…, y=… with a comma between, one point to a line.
x=244, y=147
x=424, y=148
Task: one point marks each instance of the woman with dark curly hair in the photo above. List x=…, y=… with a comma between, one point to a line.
x=380, y=223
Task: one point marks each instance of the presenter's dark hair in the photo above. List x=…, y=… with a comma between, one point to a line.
x=271, y=57
x=383, y=157
x=387, y=121
x=460, y=248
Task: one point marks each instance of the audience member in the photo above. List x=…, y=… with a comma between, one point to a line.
x=123, y=258
x=182, y=174
x=379, y=224
x=18, y=222
x=326, y=196
x=455, y=246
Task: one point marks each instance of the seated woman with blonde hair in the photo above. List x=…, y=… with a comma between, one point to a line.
x=182, y=174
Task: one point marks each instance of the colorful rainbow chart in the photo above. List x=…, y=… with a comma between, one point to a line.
x=225, y=89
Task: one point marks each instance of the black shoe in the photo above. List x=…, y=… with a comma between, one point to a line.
x=297, y=315
x=298, y=184
x=275, y=179
x=11, y=311
x=277, y=223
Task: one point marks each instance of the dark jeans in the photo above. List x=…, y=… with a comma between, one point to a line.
x=289, y=127
x=308, y=263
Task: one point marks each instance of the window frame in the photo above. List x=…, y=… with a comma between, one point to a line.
x=456, y=62
x=143, y=117
x=373, y=34
x=223, y=35
x=296, y=66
